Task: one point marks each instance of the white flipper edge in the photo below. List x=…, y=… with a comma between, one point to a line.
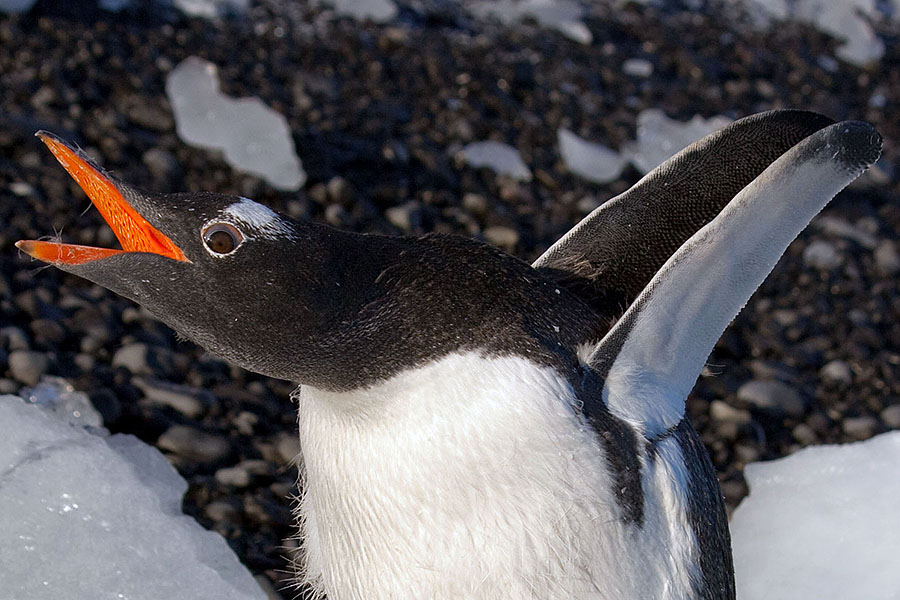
x=655, y=352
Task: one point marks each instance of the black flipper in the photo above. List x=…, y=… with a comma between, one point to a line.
x=610, y=256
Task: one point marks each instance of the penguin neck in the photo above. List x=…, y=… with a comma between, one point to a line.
x=474, y=477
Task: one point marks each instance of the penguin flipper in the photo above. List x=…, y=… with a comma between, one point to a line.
x=609, y=257
x=651, y=358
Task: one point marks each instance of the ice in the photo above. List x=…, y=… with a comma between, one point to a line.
x=15, y=6
x=88, y=516
x=822, y=523
x=593, y=162
x=846, y=20
x=60, y=398
x=254, y=138
x=502, y=158
x=563, y=15
x=659, y=137
x=378, y=11
x=211, y=8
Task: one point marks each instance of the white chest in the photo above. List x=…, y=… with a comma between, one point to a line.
x=474, y=478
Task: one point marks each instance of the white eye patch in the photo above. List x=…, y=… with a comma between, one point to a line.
x=259, y=220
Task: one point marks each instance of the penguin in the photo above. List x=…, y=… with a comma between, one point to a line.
x=471, y=425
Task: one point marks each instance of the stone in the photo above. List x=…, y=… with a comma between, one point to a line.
x=504, y=237
x=724, y=412
x=860, y=428
x=190, y=402
x=887, y=258
x=822, y=255
x=773, y=397
x=194, y=445
x=891, y=416
x=837, y=371
x=233, y=476
x=27, y=366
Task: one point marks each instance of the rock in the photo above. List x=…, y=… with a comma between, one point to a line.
x=837, y=371
x=161, y=162
x=339, y=191
x=221, y=512
x=724, y=412
x=194, y=445
x=504, y=237
x=887, y=258
x=891, y=416
x=804, y=434
x=288, y=448
x=148, y=113
x=860, y=428
x=475, y=203
x=245, y=422
x=773, y=397
x=637, y=67
x=234, y=476
x=13, y=338
x=27, y=366
x=822, y=255
x=142, y=359
x=403, y=216
x=47, y=332
x=190, y=402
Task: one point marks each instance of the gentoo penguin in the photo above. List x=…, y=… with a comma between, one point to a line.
x=471, y=425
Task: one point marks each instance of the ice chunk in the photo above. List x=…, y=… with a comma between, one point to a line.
x=846, y=20
x=502, y=158
x=211, y=8
x=563, y=15
x=659, y=137
x=593, y=162
x=254, y=138
x=378, y=11
x=15, y=6
x=60, y=398
x=822, y=523
x=86, y=516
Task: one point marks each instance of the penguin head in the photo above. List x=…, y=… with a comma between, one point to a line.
x=305, y=302
x=229, y=273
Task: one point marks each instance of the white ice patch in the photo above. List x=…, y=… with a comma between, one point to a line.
x=87, y=516
x=822, y=523
x=378, y=11
x=563, y=15
x=659, y=137
x=499, y=157
x=593, y=162
x=259, y=218
x=253, y=137
x=15, y=6
x=211, y=8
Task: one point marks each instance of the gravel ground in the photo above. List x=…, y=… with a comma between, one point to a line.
x=379, y=114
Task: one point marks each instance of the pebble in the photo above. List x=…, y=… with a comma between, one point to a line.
x=162, y=163
x=837, y=371
x=637, y=67
x=822, y=255
x=47, y=332
x=773, y=397
x=221, y=512
x=860, y=428
x=27, y=366
x=142, y=359
x=474, y=203
x=234, y=476
x=804, y=434
x=724, y=412
x=339, y=191
x=402, y=216
x=191, y=402
x=288, y=448
x=13, y=338
x=193, y=444
x=887, y=258
x=504, y=237
x=891, y=416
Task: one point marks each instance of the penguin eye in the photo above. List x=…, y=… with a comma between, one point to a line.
x=222, y=238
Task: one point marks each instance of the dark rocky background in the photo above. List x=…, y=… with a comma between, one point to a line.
x=378, y=114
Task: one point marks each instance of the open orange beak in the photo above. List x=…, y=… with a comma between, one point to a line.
x=132, y=230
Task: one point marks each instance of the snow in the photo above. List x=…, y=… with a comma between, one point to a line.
x=659, y=137
x=563, y=15
x=15, y=6
x=593, y=162
x=822, y=523
x=211, y=8
x=846, y=20
x=90, y=516
x=377, y=11
x=501, y=158
x=253, y=137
